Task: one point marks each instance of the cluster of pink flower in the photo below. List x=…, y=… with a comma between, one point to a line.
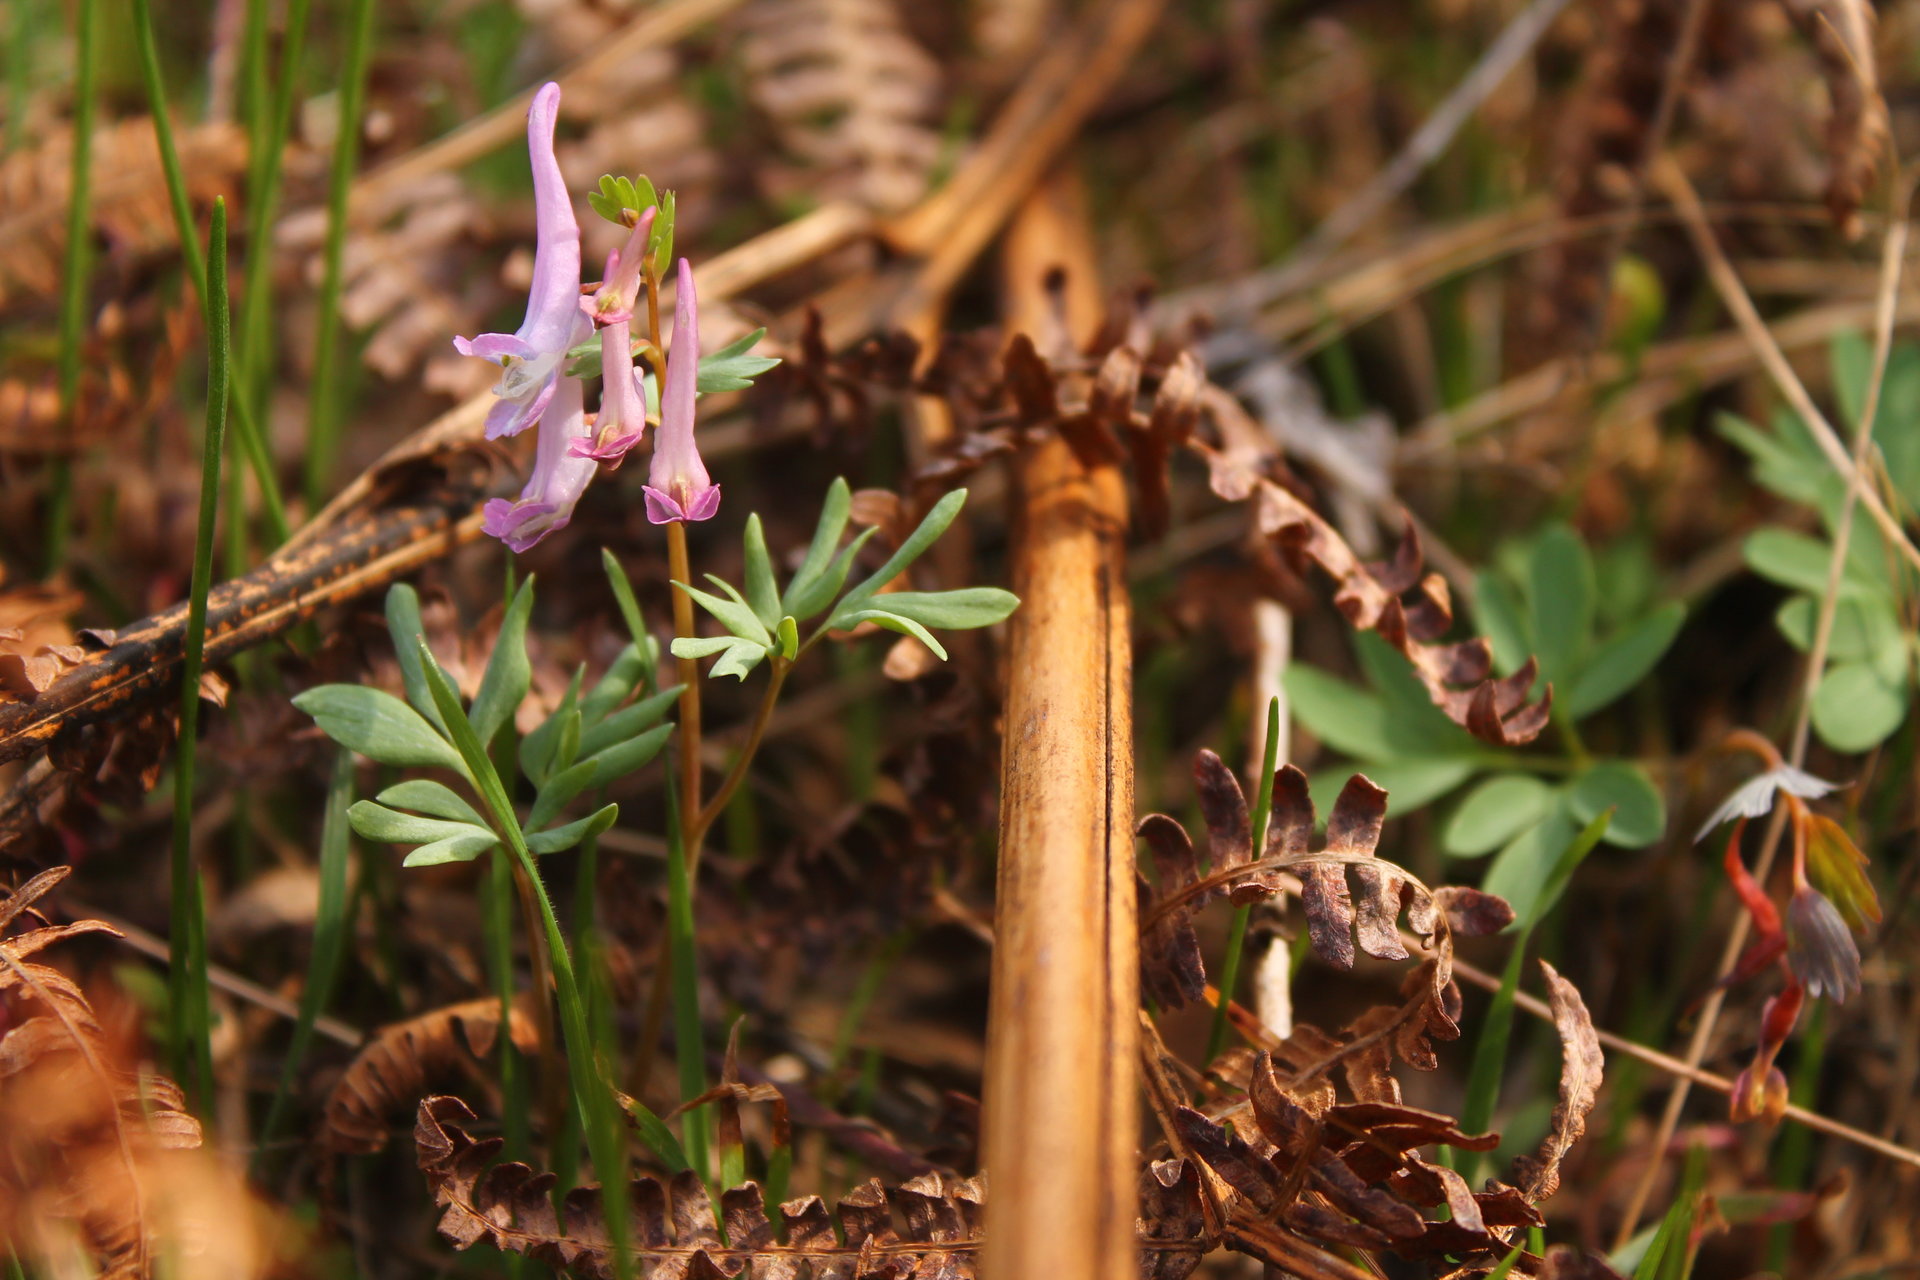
x=534, y=386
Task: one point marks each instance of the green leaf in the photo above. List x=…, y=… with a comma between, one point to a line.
x=615, y=687
x=1415, y=725
x=574, y=832
x=1412, y=783
x=404, y=625
x=426, y=796
x=596, y=770
x=1560, y=593
x=377, y=822
x=1623, y=661
x=627, y=721
x=1569, y=861
x=1498, y=616
x=1639, y=812
x=456, y=848
x=508, y=675
x=892, y=622
x=1344, y=716
x=539, y=748
x=377, y=725
x=803, y=601
x=654, y=1133
x=1856, y=709
x=700, y=646
x=959, y=610
x=1798, y=561
x=741, y=657
x=473, y=753
x=731, y=368
x=736, y=615
x=912, y=549
x=788, y=634
x=1520, y=871
x=662, y=238
x=1495, y=812
x=763, y=596
x=1863, y=629
x=643, y=642
x=1778, y=466
x=826, y=536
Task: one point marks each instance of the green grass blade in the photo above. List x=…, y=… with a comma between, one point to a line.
x=1237, y=931
x=330, y=928
x=323, y=408
x=76, y=274
x=189, y=1010
x=1490, y=1051
x=246, y=429
x=689, y=1042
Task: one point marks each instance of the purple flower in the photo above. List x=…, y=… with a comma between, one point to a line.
x=1820, y=949
x=533, y=358
x=623, y=403
x=677, y=486
x=559, y=475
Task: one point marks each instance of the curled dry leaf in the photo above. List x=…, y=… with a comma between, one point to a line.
x=93, y=1156
x=1352, y=898
x=402, y=1061
x=1411, y=612
x=929, y=1226
x=1345, y=1175
x=1580, y=1071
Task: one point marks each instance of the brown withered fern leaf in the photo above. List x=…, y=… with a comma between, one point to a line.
x=1352, y=898
x=1279, y=1170
x=1132, y=395
x=130, y=213
x=87, y=1149
x=403, y=1060
x=851, y=94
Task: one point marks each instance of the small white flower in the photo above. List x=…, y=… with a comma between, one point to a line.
x=1754, y=797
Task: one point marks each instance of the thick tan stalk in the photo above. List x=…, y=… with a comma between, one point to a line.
x=1061, y=1106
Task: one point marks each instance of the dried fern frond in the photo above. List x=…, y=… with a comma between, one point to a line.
x=403, y=1060
x=851, y=96
x=130, y=211
x=95, y=1160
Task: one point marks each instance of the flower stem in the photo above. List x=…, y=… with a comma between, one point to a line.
x=689, y=675
x=698, y=828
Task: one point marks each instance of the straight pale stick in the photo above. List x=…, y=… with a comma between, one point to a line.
x=1061, y=1100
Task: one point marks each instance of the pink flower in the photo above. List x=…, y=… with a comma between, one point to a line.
x=559, y=477
x=677, y=486
x=533, y=358
x=623, y=403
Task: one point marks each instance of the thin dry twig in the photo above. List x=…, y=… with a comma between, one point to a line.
x=1855, y=470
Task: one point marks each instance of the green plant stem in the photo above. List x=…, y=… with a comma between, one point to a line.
x=323, y=409
x=498, y=906
x=604, y=1132
x=76, y=273
x=1237, y=931
x=688, y=671
x=742, y=760
x=540, y=956
x=269, y=130
x=689, y=1040
x=329, y=938
x=189, y=1011
x=245, y=428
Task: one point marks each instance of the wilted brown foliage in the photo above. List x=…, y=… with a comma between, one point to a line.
x=99, y=1168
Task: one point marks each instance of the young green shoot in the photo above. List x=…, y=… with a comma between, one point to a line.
x=1237, y=931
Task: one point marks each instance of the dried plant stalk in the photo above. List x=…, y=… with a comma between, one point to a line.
x=1060, y=1112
